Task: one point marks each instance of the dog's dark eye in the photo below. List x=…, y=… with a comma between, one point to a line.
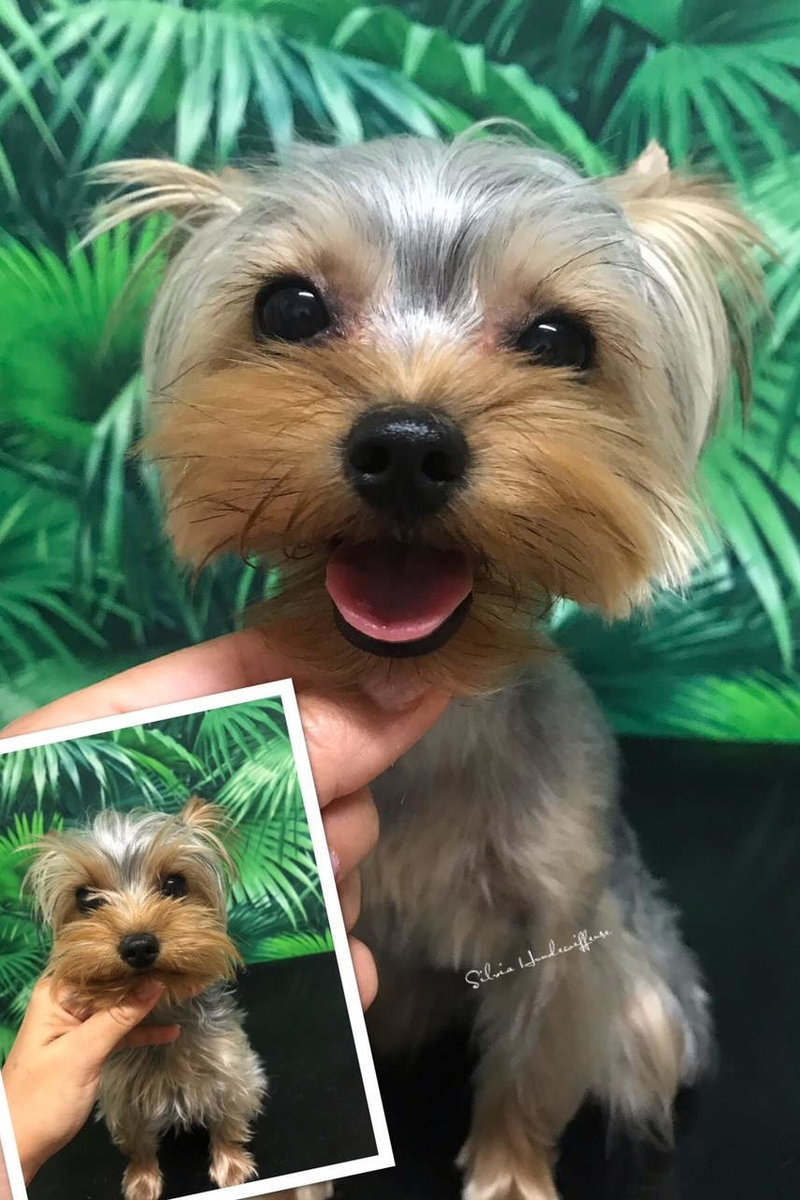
x=87, y=901
x=174, y=886
x=558, y=341
x=291, y=310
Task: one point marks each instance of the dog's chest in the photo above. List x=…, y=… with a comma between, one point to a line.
x=186, y=1083
x=473, y=816
x=438, y=884
x=171, y=1085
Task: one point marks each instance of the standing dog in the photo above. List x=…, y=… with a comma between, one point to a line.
x=142, y=895
x=441, y=385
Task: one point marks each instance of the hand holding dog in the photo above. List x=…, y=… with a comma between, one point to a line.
x=350, y=740
x=53, y=1071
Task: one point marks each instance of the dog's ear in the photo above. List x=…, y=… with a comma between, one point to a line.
x=705, y=279
x=48, y=879
x=204, y=816
x=152, y=185
x=212, y=825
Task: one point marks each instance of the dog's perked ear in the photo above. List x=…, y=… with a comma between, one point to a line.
x=204, y=815
x=699, y=251
x=146, y=186
x=211, y=823
x=49, y=880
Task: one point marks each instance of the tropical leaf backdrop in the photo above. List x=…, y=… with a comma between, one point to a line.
x=239, y=757
x=87, y=584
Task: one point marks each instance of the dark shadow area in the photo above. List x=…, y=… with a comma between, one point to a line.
x=316, y=1114
x=720, y=824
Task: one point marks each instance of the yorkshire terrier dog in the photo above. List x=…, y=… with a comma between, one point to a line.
x=441, y=385
x=142, y=895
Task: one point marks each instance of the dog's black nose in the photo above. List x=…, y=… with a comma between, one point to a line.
x=405, y=460
x=139, y=949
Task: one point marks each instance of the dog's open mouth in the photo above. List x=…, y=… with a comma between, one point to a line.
x=398, y=600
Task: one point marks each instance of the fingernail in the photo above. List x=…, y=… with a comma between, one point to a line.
x=336, y=863
x=150, y=989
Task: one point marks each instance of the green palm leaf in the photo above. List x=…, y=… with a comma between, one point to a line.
x=89, y=772
x=228, y=736
x=15, y=842
x=40, y=610
x=744, y=708
x=290, y=945
x=638, y=666
x=18, y=89
x=226, y=69
x=459, y=76
x=23, y=953
x=275, y=859
x=754, y=515
x=58, y=375
x=265, y=785
x=710, y=80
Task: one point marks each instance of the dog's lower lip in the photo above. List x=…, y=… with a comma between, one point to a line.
x=413, y=649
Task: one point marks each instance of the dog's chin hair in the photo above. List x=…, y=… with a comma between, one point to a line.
x=499, y=637
x=79, y=969
x=89, y=995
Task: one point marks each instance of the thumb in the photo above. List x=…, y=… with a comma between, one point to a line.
x=104, y=1030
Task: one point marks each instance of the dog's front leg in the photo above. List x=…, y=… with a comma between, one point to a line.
x=231, y=1162
x=529, y=1083
x=142, y=1179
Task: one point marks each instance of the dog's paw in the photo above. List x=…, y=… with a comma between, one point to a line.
x=491, y=1177
x=231, y=1164
x=142, y=1183
x=509, y=1187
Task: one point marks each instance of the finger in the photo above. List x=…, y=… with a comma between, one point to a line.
x=104, y=1030
x=46, y=1016
x=44, y=1000
x=234, y=661
x=150, y=1035
x=351, y=827
x=350, y=898
x=351, y=741
x=366, y=972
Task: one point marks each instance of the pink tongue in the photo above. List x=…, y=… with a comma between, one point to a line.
x=397, y=593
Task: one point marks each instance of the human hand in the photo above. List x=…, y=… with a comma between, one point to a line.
x=52, y=1073
x=350, y=740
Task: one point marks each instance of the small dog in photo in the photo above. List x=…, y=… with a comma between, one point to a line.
x=441, y=386
x=143, y=895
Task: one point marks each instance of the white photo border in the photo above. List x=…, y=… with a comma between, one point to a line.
x=282, y=690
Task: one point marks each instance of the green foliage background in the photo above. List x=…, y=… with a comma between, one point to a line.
x=240, y=757
x=87, y=585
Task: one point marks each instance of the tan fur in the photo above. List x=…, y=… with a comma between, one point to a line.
x=586, y=506
x=196, y=950
x=697, y=238
x=171, y=187
x=503, y=1158
x=142, y=1179
x=231, y=1164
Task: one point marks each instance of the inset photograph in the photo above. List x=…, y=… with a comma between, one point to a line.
x=183, y=847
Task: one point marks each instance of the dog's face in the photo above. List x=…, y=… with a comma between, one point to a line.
x=137, y=895
x=439, y=386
